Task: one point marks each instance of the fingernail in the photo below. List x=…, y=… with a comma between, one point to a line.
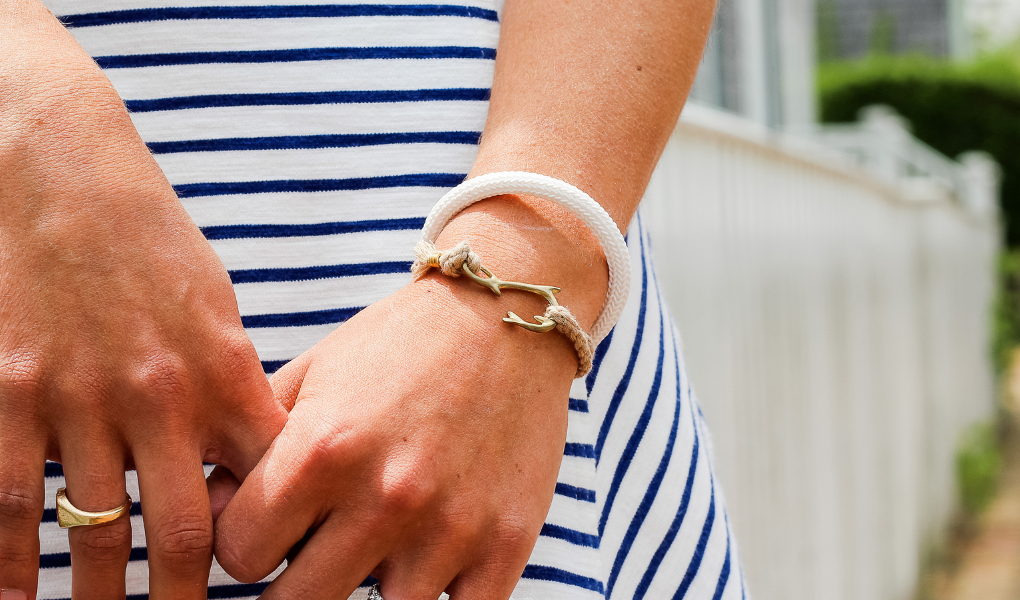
x=13, y=595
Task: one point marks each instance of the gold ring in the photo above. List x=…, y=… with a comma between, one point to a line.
x=69, y=516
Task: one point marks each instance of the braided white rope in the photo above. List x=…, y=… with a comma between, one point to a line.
x=567, y=196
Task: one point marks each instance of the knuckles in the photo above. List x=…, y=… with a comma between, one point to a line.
x=161, y=375
x=238, y=360
x=186, y=540
x=108, y=544
x=21, y=374
x=20, y=506
x=407, y=490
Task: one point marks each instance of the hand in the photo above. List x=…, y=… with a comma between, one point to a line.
x=120, y=340
x=425, y=436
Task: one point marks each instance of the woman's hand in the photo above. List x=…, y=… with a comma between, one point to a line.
x=120, y=340
x=426, y=434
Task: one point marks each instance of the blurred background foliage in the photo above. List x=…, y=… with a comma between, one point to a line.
x=1006, y=313
x=978, y=462
x=953, y=107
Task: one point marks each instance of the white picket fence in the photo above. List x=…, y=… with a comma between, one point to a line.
x=834, y=307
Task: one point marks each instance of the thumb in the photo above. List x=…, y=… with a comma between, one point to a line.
x=286, y=382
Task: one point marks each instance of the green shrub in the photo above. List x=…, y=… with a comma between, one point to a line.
x=1006, y=316
x=977, y=467
x=953, y=108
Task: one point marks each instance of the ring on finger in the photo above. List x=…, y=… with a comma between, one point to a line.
x=68, y=515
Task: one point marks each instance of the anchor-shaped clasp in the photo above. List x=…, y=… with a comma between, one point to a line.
x=496, y=284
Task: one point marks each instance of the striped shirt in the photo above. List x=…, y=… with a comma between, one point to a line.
x=308, y=141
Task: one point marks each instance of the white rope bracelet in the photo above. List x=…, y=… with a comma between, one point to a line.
x=563, y=194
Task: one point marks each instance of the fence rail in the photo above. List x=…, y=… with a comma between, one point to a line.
x=835, y=323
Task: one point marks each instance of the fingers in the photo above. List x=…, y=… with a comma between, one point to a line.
x=487, y=583
x=270, y=513
x=178, y=523
x=22, y=463
x=94, y=476
x=425, y=577
x=253, y=416
x=332, y=564
x=222, y=486
x=498, y=564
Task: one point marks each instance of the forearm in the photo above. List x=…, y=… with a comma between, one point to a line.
x=589, y=92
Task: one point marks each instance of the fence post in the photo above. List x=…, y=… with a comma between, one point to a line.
x=981, y=177
x=888, y=136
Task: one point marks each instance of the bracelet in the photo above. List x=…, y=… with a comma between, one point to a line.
x=461, y=260
x=563, y=194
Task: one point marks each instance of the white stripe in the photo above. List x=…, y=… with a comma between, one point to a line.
x=285, y=343
x=285, y=253
x=321, y=294
x=316, y=119
x=320, y=163
x=227, y=35
x=572, y=514
x=305, y=76
x=312, y=207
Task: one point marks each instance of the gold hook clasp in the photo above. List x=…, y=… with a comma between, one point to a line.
x=496, y=285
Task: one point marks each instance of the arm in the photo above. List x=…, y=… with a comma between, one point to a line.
x=120, y=340
x=425, y=437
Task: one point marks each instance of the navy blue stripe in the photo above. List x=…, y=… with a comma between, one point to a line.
x=440, y=180
x=724, y=575
x=636, y=436
x=699, y=551
x=578, y=538
x=580, y=406
x=63, y=559
x=542, y=573
x=582, y=450
x=144, y=15
x=235, y=590
x=301, y=319
x=635, y=350
x=272, y=366
x=577, y=493
x=134, y=61
x=653, y=487
x=54, y=470
x=307, y=98
x=50, y=514
x=320, y=272
x=674, y=527
x=311, y=142
x=232, y=232
x=596, y=363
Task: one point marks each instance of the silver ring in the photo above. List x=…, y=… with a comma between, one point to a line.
x=373, y=593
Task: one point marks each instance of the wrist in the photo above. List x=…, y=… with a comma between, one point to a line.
x=526, y=240
x=534, y=241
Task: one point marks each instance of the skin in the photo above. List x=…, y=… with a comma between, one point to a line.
x=120, y=340
x=424, y=435
x=430, y=461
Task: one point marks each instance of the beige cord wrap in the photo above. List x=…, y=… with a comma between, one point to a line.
x=568, y=326
x=451, y=263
